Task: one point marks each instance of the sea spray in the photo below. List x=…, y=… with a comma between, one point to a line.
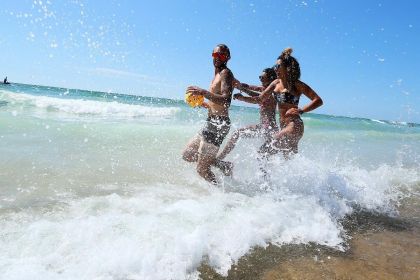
x=95, y=187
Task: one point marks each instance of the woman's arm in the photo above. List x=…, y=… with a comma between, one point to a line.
x=256, y=88
x=252, y=92
x=245, y=98
x=267, y=92
x=316, y=101
x=249, y=89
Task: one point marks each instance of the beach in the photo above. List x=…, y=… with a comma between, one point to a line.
x=93, y=186
x=380, y=248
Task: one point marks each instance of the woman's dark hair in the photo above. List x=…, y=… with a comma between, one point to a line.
x=292, y=66
x=270, y=73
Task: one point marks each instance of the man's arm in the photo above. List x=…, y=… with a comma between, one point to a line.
x=226, y=88
x=204, y=105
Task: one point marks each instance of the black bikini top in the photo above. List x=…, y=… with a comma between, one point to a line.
x=286, y=97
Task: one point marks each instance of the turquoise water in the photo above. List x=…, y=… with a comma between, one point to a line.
x=93, y=185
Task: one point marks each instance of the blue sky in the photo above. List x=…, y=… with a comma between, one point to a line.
x=361, y=57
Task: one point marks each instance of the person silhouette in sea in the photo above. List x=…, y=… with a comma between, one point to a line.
x=267, y=125
x=204, y=147
x=5, y=81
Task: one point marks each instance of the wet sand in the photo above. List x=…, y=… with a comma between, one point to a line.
x=379, y=247
x=383, y=255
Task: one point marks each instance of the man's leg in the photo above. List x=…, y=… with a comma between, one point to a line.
x=206, y=158
x=190, y=152
x=224, y=166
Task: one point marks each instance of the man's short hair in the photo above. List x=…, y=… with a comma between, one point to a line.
x=224, y=47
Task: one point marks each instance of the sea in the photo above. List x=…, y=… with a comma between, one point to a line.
x=93, y=186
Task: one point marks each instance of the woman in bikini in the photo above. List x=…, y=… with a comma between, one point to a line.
x=267, y=125
x=287, y=90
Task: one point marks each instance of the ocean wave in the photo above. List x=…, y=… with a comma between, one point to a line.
x=378, y=121
x=164, y=231
x=396, y=123
x=88, y=107
x=137, y=211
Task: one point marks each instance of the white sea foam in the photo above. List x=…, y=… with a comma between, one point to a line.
x=378, y=121
x=91, y=107
x=164, y=231
x=161, y=233
x=71, y=210
x=396, y=123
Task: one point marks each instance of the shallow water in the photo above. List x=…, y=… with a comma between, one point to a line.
x=93, y=186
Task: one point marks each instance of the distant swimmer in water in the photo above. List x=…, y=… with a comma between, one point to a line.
x=287, y=90
x=5, y=81
x=204, y=146
x=267, y=125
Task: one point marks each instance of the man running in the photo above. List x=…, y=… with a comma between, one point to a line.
x=204, y=147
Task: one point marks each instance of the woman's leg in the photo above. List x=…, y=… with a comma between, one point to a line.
x=286, y=140
x=248, y=132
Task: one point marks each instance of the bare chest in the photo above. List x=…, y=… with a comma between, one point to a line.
x=215, y=86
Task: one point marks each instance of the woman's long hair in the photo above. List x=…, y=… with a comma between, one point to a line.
x=292, y=66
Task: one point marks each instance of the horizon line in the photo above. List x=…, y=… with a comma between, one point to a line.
x=181, y=99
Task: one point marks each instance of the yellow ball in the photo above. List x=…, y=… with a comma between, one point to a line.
x=194, y=100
